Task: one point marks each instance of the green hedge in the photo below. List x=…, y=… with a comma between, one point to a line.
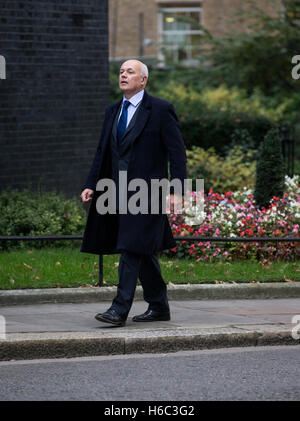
x=39, y=213
x=271, y=170
x=215, y=129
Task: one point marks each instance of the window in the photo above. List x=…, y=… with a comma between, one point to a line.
x=179, y=33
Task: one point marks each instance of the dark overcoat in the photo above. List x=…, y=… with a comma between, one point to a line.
x=155, y=140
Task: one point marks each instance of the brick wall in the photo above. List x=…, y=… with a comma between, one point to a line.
x=219, y=16
x=56, y=88
x=124, y=24
x=124, y=42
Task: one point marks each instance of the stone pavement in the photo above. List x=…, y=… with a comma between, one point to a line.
x=69, y=329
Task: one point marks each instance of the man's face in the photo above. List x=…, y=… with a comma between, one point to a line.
x=130, y=80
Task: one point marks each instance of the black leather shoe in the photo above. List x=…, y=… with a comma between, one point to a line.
x=152, y=316
x=111, y=316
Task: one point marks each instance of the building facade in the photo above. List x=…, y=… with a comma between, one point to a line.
x=159, y=30
x=55, y=91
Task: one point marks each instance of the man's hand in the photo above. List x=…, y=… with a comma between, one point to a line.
x=87, y=195
x=172, y=200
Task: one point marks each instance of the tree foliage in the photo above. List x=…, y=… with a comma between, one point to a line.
x=261, y=56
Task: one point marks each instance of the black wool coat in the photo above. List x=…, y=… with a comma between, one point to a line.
x=155, y=141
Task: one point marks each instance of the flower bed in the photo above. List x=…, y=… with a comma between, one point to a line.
x=235, y=214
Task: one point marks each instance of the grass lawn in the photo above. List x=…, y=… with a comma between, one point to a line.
x=68, y=267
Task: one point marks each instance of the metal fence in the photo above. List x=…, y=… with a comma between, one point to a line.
x=177, y=238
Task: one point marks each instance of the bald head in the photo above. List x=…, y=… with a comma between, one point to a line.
x=133, y=77
x=139, y=65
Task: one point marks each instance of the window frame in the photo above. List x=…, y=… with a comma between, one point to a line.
x=162, y=32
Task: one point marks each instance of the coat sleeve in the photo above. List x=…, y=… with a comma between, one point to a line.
x=174, y=144
x=92, y=177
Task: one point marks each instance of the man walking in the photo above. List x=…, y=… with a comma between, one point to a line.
x=140, y=135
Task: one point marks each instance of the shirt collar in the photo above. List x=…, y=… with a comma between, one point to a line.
x=135, y=99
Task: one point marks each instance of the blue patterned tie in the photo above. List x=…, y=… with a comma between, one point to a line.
x=121, y=129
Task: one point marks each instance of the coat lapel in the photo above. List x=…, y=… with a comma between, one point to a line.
x=142, y=117
x=111, y=127
x=115, y=122
x=115, y=125
x=131, y=124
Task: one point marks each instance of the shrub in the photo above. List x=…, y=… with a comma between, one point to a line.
x=214, y=129
x=242, y=138
x=209, y=117
x=221, y=174
x=38, y=213
x=270, y=170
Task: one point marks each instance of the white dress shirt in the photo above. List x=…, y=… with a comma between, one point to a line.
x=135, y=101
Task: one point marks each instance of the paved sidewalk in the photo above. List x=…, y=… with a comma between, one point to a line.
x=69, y=329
